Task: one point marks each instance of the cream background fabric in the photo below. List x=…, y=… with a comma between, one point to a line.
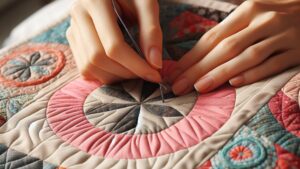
x=22, y=132
x=29, y=131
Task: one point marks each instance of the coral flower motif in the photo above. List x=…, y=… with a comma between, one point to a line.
x=240, y=153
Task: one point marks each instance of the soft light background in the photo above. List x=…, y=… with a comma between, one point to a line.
x=13, y=12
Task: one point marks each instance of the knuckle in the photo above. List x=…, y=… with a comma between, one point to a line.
x=230, y=44
x=210, y=37
x=250, y=4
x=94, y=56
x=112, y=50
x=154, y=30
x=225, y=71
x=254, y=53
x=273, y=16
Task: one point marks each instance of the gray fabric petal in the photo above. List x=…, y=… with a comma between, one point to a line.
x=117, y=91
x=25, y=75
x=148, y=89
x=13, y=69
x=34, y=57
x=14, y=159
x=162, y=111
x=169, y=95
x=128, y=122
x=105, y=107
x=45, y=62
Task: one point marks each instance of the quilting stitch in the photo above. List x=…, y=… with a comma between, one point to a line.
x=287, y=112
x=13, y=159
x=67, y=120
x=257, y=152
x=276, y=122
x=126, y=109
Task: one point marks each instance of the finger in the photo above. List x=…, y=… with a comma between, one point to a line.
x=233, y=46
x=251, y=57
x=113, y=42
x=272, y=66
x=236, y=21
x=90, y=41
x=88, y=71
x=150, y=31
x=223, y=52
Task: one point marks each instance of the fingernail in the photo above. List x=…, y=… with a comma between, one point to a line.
x=204, y=84
x=155, y=57
x=237, y=81
x=153, y=77
x=180, y=86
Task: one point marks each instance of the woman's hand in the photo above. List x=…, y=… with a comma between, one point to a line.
x=257, y=40
x=98, y=44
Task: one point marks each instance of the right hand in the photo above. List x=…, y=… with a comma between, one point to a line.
x=98, y=45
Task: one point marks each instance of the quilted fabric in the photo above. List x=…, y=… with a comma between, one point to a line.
x=52, y=118
x=270, y=139
x=144, y=118
x=13, y=159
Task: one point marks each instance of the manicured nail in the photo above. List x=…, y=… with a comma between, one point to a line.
x=155, y=57
x=155, y=77
x=180, y=86
x=237, y=81
x=204, y=84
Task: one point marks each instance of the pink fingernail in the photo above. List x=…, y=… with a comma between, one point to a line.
x=155, y=57
x=204, y=84
x=180, y=86
x=237, y=81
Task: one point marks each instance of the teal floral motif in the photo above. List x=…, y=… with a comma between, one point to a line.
x=28, y=67
x=9, y=106
x=265, y=124
x=246, y=150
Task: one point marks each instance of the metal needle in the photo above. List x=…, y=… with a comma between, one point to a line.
x=136, y=46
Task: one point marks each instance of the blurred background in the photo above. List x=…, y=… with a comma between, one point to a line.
x=12, y=12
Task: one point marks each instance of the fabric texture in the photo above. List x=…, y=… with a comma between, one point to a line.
x=50, y=117
x=270, y=139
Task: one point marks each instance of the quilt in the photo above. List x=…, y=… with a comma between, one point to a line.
x=51, y=118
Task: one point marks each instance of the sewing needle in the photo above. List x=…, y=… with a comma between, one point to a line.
x=114, y=3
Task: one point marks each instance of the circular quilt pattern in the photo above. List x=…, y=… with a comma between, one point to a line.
x=135, y=107
x=246, y=151
x=31, y=64
x=129, y=121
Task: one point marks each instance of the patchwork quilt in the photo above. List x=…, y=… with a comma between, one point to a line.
x=52, y=118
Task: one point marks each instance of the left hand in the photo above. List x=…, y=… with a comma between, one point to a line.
x=257, y=40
